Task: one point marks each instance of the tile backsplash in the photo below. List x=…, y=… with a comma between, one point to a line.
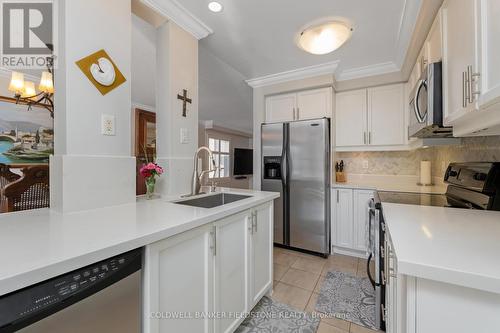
x=475, y=149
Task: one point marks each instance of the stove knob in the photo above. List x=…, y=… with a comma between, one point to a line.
x=480, y=176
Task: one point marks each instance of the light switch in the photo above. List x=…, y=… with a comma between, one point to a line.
x=107, y=124
x=184, y=135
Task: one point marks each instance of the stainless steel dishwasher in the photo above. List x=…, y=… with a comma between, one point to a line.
x=102, y=297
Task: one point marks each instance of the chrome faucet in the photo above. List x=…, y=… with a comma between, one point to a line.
x=196, y=182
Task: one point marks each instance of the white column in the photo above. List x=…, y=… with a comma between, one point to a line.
x=90, y=170
x=177, y=64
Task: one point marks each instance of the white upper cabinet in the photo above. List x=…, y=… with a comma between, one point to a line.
x=434, y=42
x=313, y=104
x=471, y=70
x=351, y=118
x=307, y=104
x=281, y=108
x=489, y=18
x=386, y=116
x=459, y=54
x=371, y=119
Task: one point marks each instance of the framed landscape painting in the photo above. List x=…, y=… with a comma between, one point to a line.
x=26, y=136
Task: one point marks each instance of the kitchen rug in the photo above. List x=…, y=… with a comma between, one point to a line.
x=348, y=297
x=269, y=316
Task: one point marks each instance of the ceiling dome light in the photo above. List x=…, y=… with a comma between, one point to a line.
x=215, y=7
x=324, y=38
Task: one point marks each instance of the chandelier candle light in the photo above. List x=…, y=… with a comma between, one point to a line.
x=25, y=92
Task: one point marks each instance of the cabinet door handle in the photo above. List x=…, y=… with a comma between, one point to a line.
x=255, y=219
x=364, y=138
x=464, y=94
x=213, y=235
x=469, y=84
x=370, y=137
x=298, y=113
x=338, y=196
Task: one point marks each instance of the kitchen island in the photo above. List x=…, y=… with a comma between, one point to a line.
x=41, y=244
x=444, y=269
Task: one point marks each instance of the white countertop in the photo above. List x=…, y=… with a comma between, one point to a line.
x=457, y=246
x=390, y=183
x=40, y=244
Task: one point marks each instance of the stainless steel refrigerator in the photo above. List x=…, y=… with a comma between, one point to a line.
x=296, y=163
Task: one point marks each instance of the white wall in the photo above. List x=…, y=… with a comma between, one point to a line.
x=225, y=98
x=238, y=140
x=259, y=95
x=88, y=169
x=143, y=63
x=177, y=69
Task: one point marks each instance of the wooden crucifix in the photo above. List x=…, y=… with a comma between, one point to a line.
x=184, y=100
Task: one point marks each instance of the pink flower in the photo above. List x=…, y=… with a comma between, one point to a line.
x=151, y=170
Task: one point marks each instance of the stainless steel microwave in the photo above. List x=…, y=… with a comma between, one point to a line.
x=426, y=105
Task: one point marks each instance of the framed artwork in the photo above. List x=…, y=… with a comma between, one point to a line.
x=100, y=69
x=26, y=136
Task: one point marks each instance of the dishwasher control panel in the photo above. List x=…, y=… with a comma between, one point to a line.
x=26, y=306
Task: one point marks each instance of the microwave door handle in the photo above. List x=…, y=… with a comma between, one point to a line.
x=416, y=108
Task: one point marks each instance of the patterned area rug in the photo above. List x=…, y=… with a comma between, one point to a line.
x=272, y=317
x=349, y=298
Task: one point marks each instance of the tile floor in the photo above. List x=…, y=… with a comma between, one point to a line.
x=298, y=278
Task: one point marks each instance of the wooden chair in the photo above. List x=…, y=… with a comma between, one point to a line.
x=6, y=177
x=31, y=191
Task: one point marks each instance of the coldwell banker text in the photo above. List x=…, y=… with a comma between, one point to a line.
x=27, y=34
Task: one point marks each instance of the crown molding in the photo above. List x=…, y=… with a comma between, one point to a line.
x=7, y=73
x=367, y=71
x=295, y=74
x=175, y=12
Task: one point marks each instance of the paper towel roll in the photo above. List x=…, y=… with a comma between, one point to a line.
x=425, y=173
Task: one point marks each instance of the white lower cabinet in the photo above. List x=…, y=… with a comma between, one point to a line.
x=206, y=279
x=178, y=276
x=350, y=220
x=231, y=270
x=261, y=254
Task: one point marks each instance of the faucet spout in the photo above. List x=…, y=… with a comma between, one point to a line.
x=197, y=177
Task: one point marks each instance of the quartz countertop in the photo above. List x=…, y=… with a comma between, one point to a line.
x=390, y=183
x=451, y=245
x=40, y=244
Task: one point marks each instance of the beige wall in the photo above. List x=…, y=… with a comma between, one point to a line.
x=477, y=149
x=238, y=140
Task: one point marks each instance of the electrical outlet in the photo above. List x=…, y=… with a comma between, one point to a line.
x=107, y=124
x=366, y=165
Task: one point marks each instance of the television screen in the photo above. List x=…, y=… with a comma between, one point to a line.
x=243, y=161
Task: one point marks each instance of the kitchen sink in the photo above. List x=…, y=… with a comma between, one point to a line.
x=212, y=201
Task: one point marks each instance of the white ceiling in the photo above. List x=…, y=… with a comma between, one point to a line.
x=257, y=37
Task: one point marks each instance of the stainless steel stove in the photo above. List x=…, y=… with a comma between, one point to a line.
x=470, y=185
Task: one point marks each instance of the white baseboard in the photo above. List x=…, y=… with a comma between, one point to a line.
x=350, y=252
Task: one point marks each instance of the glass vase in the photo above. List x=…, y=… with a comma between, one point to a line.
x=150, y=187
